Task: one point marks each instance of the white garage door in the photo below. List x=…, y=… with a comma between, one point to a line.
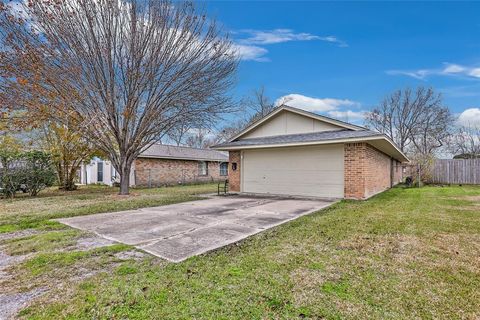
x=315, y=171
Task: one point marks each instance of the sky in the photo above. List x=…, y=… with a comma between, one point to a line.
x=341, y=58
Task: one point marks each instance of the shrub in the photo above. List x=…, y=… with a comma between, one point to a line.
x=39, y=171
x=30, y=171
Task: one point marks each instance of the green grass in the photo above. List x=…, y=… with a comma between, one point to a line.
x=406, y=253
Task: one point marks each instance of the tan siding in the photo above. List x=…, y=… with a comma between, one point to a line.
x=287, y=122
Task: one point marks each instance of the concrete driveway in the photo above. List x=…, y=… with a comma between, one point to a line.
x=179, y=231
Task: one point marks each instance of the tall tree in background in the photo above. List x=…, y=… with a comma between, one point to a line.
x=465, y=142
x=129, y=71
x=251, y=108
x=259, y=105
x=200, y=138
x=417, y=121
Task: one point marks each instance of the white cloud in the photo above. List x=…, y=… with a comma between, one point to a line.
x=449, y=69
x=275, y=36
x=264, y=37
x=453, y=68
x=248, y=52
x=475, y=72
x=470, y=117
x=347, y=115
x=334, y=39
x=418, y=74
x=314, y=104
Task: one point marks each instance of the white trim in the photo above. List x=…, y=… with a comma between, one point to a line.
x=300, y=112
x=309, y=143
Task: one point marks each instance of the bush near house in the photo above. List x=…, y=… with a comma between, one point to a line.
x=30, y=171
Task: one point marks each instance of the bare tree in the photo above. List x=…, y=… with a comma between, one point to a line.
x=259, y=105
x=417, y=121
x=465, y=142
x=130, y=71
x=179, y=133
x=199, y=138
x=251, y=108
x=434, y=129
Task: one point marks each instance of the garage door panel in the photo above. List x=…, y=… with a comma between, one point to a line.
x=308, y=171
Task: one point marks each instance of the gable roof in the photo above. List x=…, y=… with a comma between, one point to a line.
x=349, y=133
x=378, y=140
x=163, y=151
x=308, y=114
x=300, y=138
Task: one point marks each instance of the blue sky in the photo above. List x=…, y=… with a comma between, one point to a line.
x=338, y=57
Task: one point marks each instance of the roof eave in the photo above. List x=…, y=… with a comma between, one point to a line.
x=399, y=155
x=182, y=158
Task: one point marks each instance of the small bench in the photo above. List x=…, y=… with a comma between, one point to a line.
x=222, y=186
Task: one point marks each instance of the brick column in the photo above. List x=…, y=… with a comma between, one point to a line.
x=354, y=170
x=234, y=175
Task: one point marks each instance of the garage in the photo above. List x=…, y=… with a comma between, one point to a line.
x=313, y=171
x=298, y=153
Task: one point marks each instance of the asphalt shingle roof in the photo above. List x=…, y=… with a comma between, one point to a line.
x=301, y=137
x=185, y=153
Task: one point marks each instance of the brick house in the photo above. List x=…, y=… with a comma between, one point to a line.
x=299, y=153
x=163, y=165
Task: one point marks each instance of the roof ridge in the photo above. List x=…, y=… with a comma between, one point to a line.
x=308, y=133
x=324, y=116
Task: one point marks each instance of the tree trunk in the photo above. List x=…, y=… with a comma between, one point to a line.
x=125, y=178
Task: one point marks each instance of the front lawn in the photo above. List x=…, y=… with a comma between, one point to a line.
x=406, y=253
x=33, y=212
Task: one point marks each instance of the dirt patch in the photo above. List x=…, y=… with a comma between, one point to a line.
x=91, y=242
x=7, y=261
x=473, y=198
x=19, y=234
x=131, y=254
x=11, y=304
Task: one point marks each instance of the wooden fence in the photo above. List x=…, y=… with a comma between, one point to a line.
x=456, y=171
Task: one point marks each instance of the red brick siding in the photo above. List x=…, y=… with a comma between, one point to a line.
x=354, y=167
x=367, y=171
x=377, y=171
x=234, y=176
x=170, y=172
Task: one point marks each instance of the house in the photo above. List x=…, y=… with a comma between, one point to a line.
x=299, y=153
x=163, y=165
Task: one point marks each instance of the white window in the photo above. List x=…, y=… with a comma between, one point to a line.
x=100, y=172
x=224, y=169
x=203, y=168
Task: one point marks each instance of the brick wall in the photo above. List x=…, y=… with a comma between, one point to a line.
x=354, y=167
x=378, y=172
x=367, y=171
x=234, y=175
x=170, y=172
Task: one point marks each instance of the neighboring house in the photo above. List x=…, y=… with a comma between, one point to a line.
x=163, y=165
x=295, y=152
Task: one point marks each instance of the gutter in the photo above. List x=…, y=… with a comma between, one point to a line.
x=311, y=143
